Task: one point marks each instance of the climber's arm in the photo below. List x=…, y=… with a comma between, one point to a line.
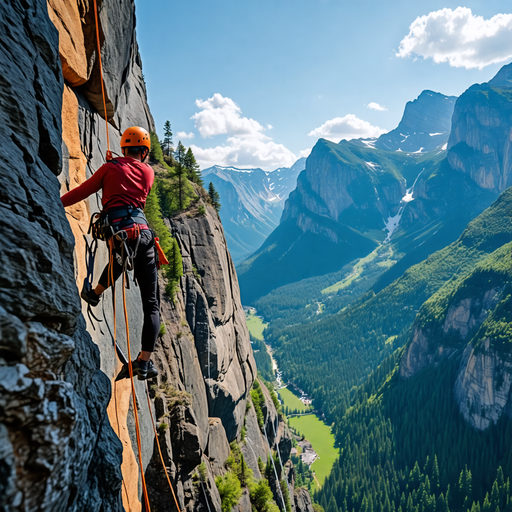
x=92, y=185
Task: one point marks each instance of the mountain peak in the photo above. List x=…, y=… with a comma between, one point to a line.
x=430, y=112
x=503, y=77
x=425, y=125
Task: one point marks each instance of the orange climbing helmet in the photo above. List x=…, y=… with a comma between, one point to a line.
x=135, y=136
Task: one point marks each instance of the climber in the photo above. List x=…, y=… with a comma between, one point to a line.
x=125, y=183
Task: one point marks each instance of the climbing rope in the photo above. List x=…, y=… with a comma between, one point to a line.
x=109, y=154
x=160, y=450
x=278, y=451
x=134, y=396
x=208, y=324
x=275, y=470
x=111, y=278
x=116, y=347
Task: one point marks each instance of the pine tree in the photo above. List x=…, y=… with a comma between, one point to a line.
x=192, y=167
x=167, y=142
x=215, y=198
x=180, y=172
x=435, y=474
x=487, y=504
x=495, y=496
x=174, y=270
x=441, y=505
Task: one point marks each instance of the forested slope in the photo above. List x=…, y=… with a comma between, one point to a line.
x=328, y=357
x=408, y=440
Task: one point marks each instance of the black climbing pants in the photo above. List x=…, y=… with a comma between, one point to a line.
x=145, y=273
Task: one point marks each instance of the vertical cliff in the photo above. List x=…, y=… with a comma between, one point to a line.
x=67, y=438
x=58, y=450
x=480, y=142
x=207, y=370
x=469, y=319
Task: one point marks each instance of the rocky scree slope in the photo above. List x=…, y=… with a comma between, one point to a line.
x=252, y=202
x=206, y=373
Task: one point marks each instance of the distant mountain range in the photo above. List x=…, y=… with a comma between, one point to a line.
x=406, y=350
x=252, y=202
x=415, y=188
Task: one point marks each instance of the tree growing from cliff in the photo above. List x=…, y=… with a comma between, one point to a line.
x=155, y=153
x=214, y=197
x=180, y=172
x=229, y=489
x=261, y=497
x=175, y=268
x=167, y=142
x=192, y=167
x=169, y=245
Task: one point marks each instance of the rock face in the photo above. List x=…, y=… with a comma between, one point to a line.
x=206, y=372
x=425, y=125
x=58, y=450
x=53, y=419
x=252, y=203
x=484, y=384
x=480, y=143
x=461, y=318
x=467, y=320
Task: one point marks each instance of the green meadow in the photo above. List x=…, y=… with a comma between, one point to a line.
x=255, y=325
x=290, y=400
x=322, y=440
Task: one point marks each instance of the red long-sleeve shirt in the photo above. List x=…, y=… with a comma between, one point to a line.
x=125, y=181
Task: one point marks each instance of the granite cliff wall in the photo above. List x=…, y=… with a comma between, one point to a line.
x=207, y=370
x=58, y=404
x=480, y=143
x=467, y=321
x=58, y=450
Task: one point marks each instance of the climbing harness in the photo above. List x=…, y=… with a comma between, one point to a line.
x=122, y=233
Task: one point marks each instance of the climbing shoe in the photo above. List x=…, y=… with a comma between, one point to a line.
x=88, y=294
x=142, y=369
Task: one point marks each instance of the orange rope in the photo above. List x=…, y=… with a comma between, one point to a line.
x=109, y=154
x=160, y=450
x=135, y=413
x=111, y=281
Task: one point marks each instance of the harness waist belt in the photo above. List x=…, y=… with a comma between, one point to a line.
x=126, y=215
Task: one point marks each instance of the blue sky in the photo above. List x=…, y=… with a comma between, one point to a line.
x=250, y=79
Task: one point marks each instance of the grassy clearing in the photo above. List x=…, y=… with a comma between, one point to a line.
x=255, y=325
x=322, y=439
x=386, y=264
x=362, y=265
x=290, y=400
x=358, y=269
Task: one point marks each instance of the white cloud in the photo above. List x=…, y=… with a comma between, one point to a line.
x=347, y=127
x=220, y=115
x=459, y=38
x=184, y=135
x=375, y=106
x=245, y=152
x=304, y=153
x=246, y=145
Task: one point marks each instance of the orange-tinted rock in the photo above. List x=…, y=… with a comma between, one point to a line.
x=66, y=18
